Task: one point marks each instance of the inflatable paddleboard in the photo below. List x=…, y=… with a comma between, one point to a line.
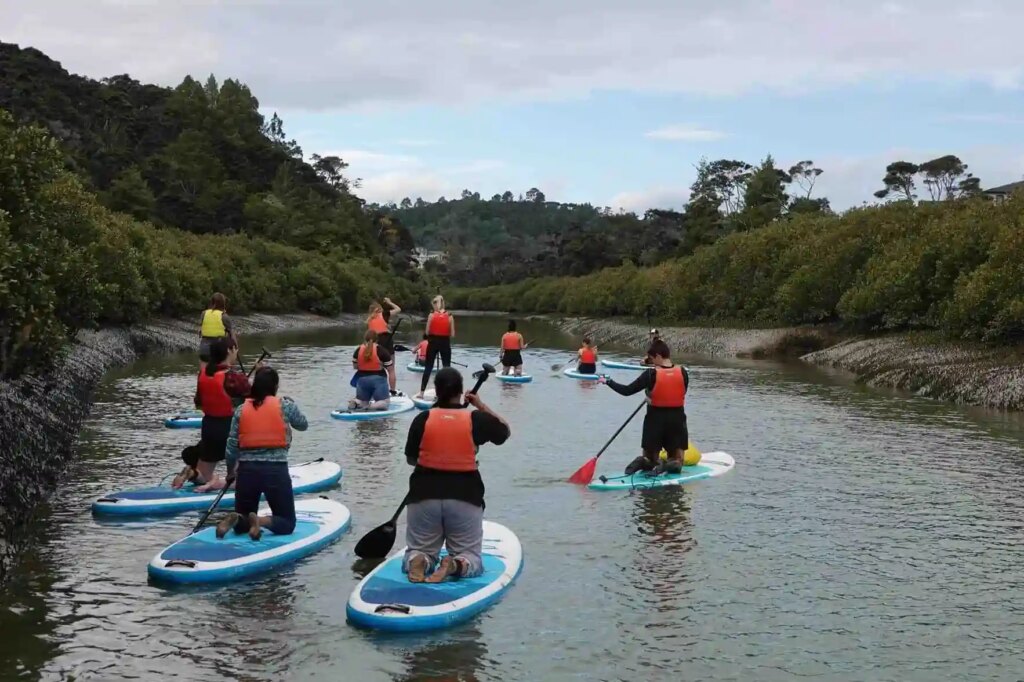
x=513, y=379
x=573, y=374
x=192, y=419
x=202, y=558
x=427, y=401
x=413, y=367
x=711, y=464
x=615, y=364
x=306, y=478
x=386, y=600
x=398, y=405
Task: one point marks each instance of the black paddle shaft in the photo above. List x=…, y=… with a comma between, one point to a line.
x=265, y=354
x=227, y=484
x=616, y=434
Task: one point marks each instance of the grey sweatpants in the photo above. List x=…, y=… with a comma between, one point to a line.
x=457, y=524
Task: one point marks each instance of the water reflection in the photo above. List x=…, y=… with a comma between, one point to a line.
x=460, y=656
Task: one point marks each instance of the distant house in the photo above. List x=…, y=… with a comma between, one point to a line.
x=1003, y=192
x=423, y=256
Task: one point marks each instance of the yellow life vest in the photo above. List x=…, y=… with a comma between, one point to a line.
x=213, y=324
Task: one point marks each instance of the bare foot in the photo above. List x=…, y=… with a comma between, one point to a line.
x=255, y=532
x=418, y=568
x=226, y=524
x=448, y=567
x=182, y=478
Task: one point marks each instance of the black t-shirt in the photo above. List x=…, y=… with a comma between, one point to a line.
x=645, y=382
x=385, y=360
x=431, y=484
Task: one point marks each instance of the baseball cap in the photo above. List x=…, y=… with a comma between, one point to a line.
x=654, y=330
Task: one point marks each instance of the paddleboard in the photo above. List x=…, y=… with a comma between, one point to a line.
x=711, y=464
x=573, y=374
x=386, y=600
x=615, y=364
x=398, y=405
x=306, y=478
x=202, y=558
x=192, y=419
x=427, y=401
x=413, y=367
x=512, y=379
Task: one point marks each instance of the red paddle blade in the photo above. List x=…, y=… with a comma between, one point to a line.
x=585, y=474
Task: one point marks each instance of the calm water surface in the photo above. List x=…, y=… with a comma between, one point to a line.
x=861, y=536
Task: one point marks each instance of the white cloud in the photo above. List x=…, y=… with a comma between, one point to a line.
x=685, y=133
x=666, y=197
x=385, y=176
x=309, y=54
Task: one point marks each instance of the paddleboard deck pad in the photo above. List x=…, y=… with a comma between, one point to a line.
x=306, y=478
x=512, y=379
x=711, y=465
x=202, y=558
x=192, y=419
x=386, y=600
x=398, y=405
x=427, y=401
x=573, y=374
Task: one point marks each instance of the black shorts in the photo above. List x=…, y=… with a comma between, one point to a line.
x=512, y=358
x=214, y=436
x=586, y=368
x=665, y=428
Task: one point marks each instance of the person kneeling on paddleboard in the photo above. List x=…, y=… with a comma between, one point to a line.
x=587, y=362
x=261, y=435
x=219, y=390
x=371, y=363
x=446, y=492
x=512, y=344
x=421, y=352
x=665, y=422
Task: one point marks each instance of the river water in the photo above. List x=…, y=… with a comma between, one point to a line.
x=862, y=536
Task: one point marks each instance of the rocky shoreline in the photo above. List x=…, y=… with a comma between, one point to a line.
x=41, y=414
x=968, y=374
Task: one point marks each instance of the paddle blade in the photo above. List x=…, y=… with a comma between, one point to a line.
x=585, y=474
x=377, y=543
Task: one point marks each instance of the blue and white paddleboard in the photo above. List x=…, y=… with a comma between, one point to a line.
x=427, y=401
x=513, y=379
x=413, y=367
x=398, y=405
x=202, y=558
x=386, y=600
x=306, y=478
x=711, y=464
x=573, y=374
x=615, y=364
x=193, y=419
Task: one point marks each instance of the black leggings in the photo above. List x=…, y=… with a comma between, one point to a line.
x=437, y=346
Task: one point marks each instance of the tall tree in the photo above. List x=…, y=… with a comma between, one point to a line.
x=764, y=195
x=805, y=174
x=946, y=177
x=899, y=180
x=130, y=194
x=535, y=195
x=721, y=183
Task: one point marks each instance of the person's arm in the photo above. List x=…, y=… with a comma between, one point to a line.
x=231, y=451
x=355, y=359
x=394, y=308
x=293, y=415
x=236, y=384
x=643, y=382
x=474, y=400
x=452, y=318
x=522, y=341
x=386, y=358
x=228, y=327
x=195, y=400
x=488, y=427
x=686, y=379
x=415, y=437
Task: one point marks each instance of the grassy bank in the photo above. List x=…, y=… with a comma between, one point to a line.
x=956, y=267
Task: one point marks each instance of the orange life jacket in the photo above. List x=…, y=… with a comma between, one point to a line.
x=669, y=387
x=588, y=356
x=373, y=364
x=213, y=399
x=440, y=324
x=263, y=426
x=447, y=443
x=511, y=341
x=377, y=324
x=421, y=350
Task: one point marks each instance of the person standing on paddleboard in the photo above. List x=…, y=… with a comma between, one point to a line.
x=257, y=450
x=214, y=324
x=379, y=321
x=371, y=362
x=652, y=336
x=512, y=344
x=665, y=422
x=587, y=357
x=446, y=492
x=219, y=390
x=440, y=332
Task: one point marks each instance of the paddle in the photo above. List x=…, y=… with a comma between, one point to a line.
x=378, y=542
x=227, y=484
x=263, y=356
x=585, y=474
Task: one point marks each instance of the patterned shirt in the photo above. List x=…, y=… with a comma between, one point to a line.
x=293, y=419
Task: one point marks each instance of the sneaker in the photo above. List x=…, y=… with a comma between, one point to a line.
x=641, y=463
x=226, y=524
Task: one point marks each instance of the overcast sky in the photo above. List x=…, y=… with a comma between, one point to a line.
x=600, y=101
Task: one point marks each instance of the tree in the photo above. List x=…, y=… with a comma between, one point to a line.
x=899, y=179
x=947, y=178
x=806, y=205
x=720, y=183
x=508, y=197
x=496, y=198
x=805, y=174
x=329, y=170
x=405, y=203
x=466, y=194
x=130, y=194
x=764, y=195
x=535, y=196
